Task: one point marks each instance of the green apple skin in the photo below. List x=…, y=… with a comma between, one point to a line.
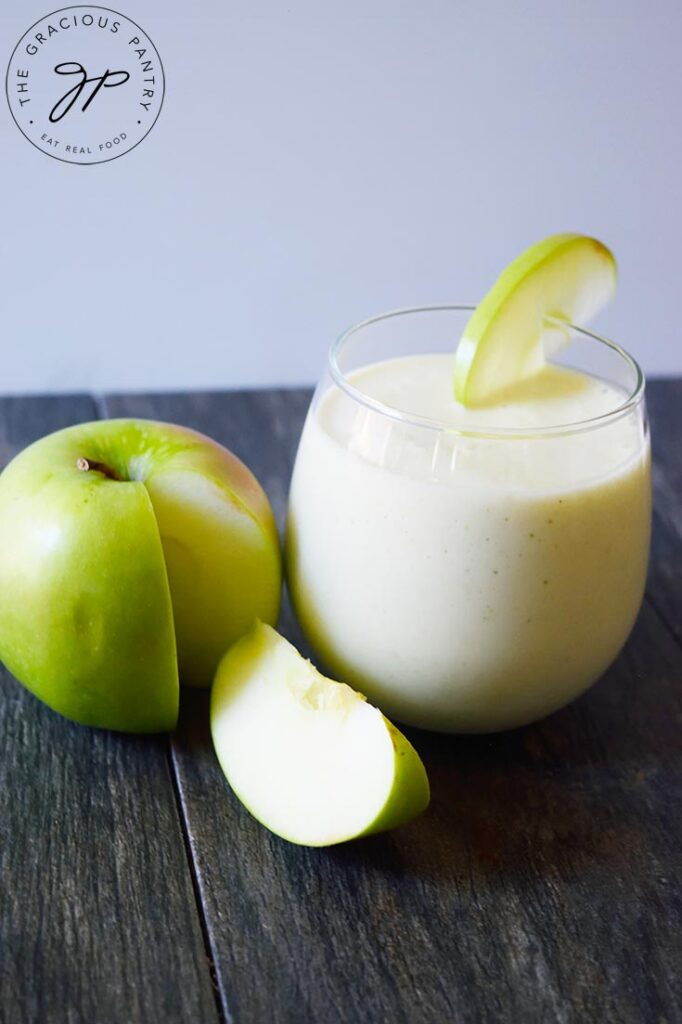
x=153, y=557
x=410, y=794
x=263, y=690
x=567, y=277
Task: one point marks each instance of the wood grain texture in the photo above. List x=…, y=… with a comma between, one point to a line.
x=541, y=886
x=98, y=920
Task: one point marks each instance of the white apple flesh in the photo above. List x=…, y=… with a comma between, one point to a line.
x=309, y=757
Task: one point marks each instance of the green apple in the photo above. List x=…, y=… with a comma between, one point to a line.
x=131, y=552
x=309, y=757
x=565, y=278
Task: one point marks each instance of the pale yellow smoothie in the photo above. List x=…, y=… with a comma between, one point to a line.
x=469, y=577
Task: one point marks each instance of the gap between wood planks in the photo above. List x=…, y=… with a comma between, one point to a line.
x=222, y=1011
x=663, y=619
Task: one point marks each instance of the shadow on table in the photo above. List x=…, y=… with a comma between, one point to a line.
x=585, y=787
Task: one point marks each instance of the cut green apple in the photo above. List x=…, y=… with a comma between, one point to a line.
x=309, y=757
x=131, y=553
x=565, y=278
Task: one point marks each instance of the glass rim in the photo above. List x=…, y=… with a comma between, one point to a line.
x=630, y=402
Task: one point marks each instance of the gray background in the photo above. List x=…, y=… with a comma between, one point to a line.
x=316, y=162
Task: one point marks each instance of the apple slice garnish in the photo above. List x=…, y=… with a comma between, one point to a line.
x=309, y=757
x=565, y=278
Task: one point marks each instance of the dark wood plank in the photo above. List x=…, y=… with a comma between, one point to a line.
x=98, y=919
x=541, y=886
x=664, y=400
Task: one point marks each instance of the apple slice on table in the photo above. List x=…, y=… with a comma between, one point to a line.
x=129, y=549
x=309, y=757
x=565, y=278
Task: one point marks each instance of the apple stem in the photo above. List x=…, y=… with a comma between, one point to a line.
x=98, y=467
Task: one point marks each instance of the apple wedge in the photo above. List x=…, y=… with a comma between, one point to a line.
x=565, y=278
x=309, y=757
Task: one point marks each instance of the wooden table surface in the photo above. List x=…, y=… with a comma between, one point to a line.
x=543, y=884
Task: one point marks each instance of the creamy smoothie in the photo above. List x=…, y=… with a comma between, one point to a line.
x=468, y=576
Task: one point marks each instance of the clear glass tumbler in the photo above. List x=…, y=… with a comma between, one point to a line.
x=467, y=580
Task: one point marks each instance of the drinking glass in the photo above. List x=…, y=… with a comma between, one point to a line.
x=467, y=579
